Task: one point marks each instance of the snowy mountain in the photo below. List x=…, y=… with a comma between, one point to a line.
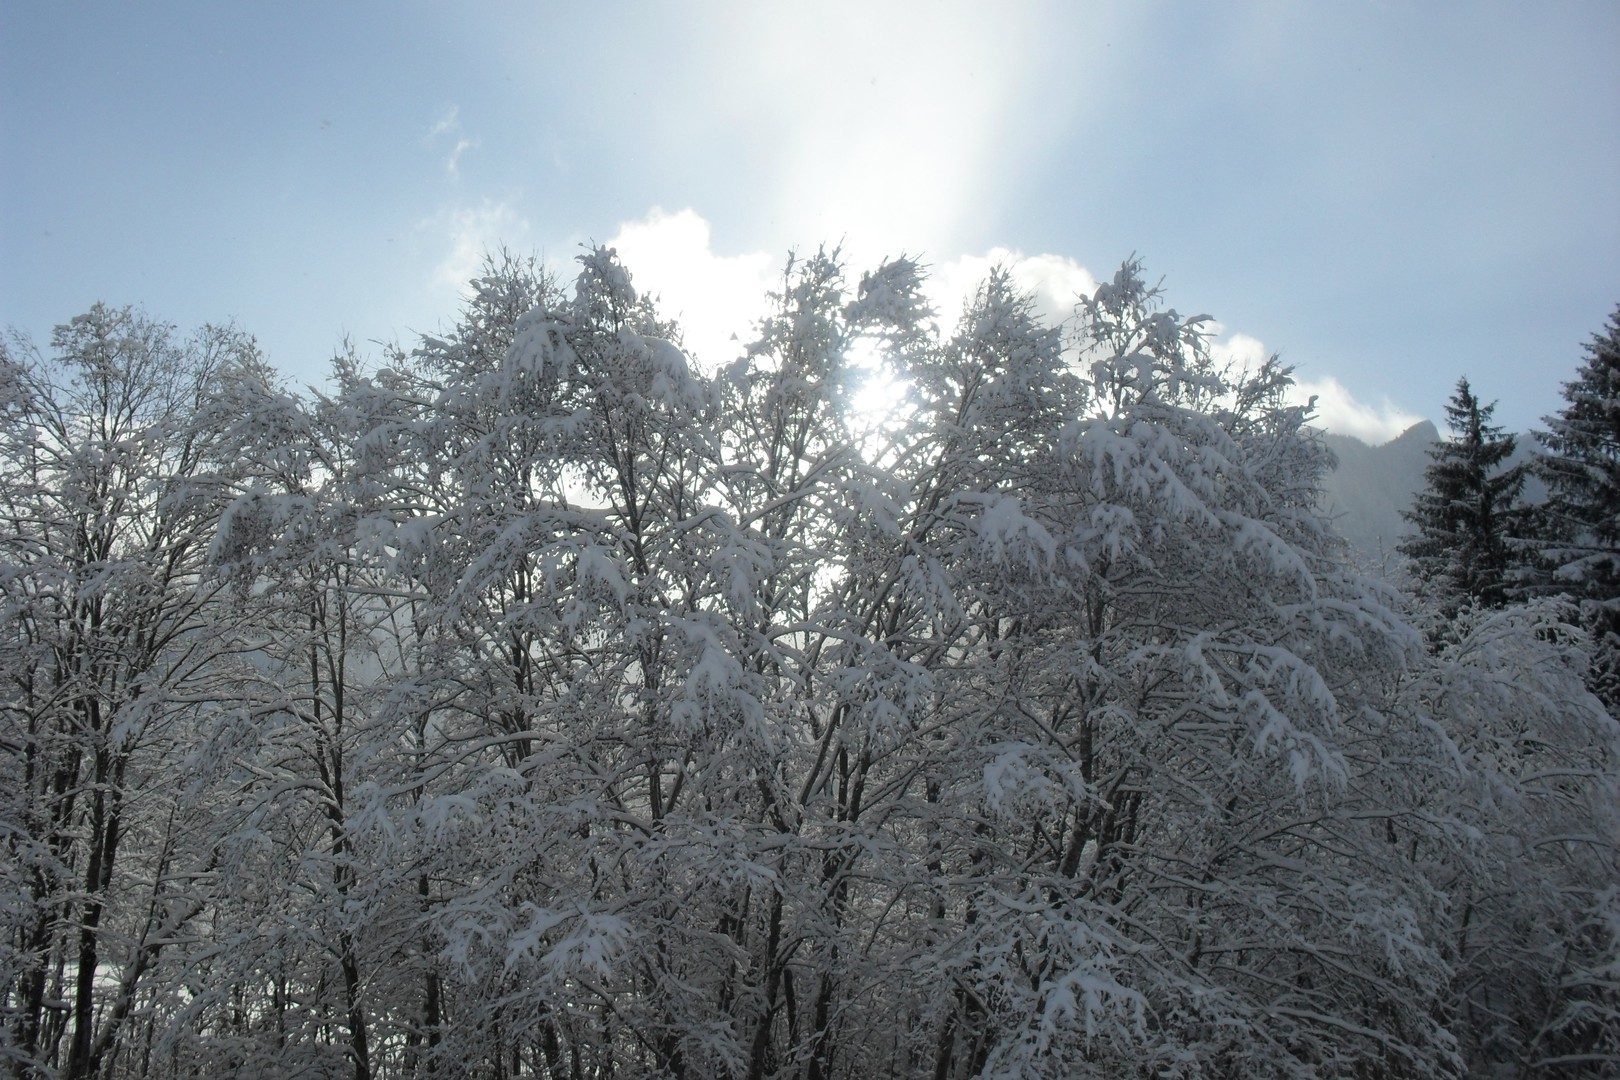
x=1372, y=485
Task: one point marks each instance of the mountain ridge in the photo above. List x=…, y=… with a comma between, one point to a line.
x=1370, y=488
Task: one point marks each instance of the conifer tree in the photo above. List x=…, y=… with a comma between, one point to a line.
x=1465, y=513
x=1576, y=545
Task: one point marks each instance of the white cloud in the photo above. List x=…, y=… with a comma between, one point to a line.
x=712, y=296
x=717, y=298
x=1055, y=281
x=1238, y=351
x=1338, y=411
x=471, y=232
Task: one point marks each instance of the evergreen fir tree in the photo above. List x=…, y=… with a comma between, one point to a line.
x=1464, y=515
x=1576, y=544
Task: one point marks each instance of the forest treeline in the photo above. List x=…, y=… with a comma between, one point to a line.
x=1478, y=541
x=530, y=702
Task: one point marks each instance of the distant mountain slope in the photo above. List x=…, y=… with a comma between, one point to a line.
x=1373, y=484
x=1370, y=488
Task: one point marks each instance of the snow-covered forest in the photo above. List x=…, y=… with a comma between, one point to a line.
x=534, y=701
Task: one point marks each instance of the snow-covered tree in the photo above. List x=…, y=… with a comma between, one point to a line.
x=549, y=706
x=1525, y=863
x=1467, y=512
x=1172, y=704
x=1575, y=549
x=110, y=495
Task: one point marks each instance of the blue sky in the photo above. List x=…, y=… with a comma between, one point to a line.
x=1391, y=194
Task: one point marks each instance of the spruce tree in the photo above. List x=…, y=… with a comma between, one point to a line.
x=1465, y=513
x=1576, y=545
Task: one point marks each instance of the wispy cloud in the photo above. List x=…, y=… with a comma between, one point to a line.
x=449, y=124
x=446, y=123
x=453, y=162
x=468, y=233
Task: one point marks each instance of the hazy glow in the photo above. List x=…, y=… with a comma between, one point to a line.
x=892, y=121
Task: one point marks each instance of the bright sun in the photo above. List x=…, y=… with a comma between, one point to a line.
x=879, y=395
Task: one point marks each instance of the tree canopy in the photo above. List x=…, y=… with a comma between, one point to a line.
x=539, y=701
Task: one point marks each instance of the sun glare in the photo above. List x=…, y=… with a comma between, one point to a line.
x=879, y=399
